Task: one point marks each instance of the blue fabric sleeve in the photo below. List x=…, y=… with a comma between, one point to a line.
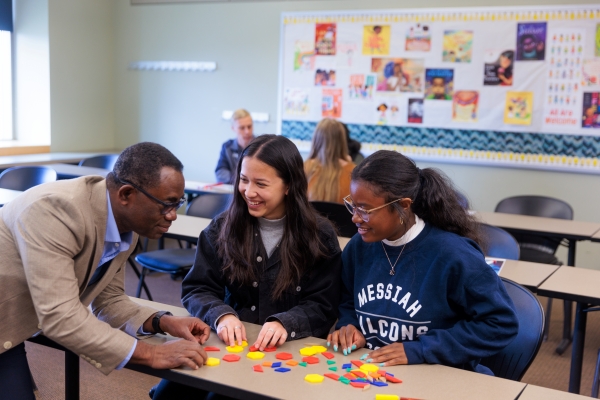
x=490, y=324
x=223, y=171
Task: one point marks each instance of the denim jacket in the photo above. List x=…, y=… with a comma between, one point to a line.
x=307, y=309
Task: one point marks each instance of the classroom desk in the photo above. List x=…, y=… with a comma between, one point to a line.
x=44, y=158
x=528, y=274
x=579, y=285
x=68, y=171
x=7, y=195
x=238, y=380
x=197, y=188
x=186, y=227
x=571, y=230
x=533, y=392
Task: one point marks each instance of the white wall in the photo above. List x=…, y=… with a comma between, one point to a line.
x=82, y=82
x=31, y=74
x=182, y=110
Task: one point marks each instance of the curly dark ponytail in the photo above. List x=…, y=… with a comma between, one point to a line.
x=435, y=200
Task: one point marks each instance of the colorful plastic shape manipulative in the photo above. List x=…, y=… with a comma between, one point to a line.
x=349, y=376
x=231, y=358
x=292, y=363
x=212, y=362
x=359, y=373
x=253, y=348
x=244, y=343
x=302, y=364
x=307, y=351
x=255, y=355
x=345, y=381
x=335, y=377
x=327, y=355
x=257, y=368
x=234, y=349
x=276, y=365
x=270, y=349
x=359, y=384
x=314, y=378
x=392, y=379
x=267, y=364
x=369, y=368
x=334, y=369
x=211, y=348
x=282, y=369
x=379, y=384
x=357, y=363
x=319, y=349
x=346, y=366
x=283, y=356
x=311, y=360
x=386, y=397
x=330, y=362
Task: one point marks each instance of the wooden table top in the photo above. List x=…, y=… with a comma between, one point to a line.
x=552, y=226
x=423, y=381
x=576, y=284
x=528, y=274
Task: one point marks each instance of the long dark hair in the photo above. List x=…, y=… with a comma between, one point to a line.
x=300, y=246
x=434, y=197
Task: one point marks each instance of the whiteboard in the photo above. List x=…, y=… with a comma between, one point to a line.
x=507, y=86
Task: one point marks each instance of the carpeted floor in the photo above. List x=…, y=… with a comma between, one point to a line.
x=548, y=370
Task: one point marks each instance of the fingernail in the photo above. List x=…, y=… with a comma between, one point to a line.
x=345, y=352
x=335, y=347
x=353, y=347
x=381, y=364
x=369, y=360
x=349, y=350
x=328, y=344
x=364, y=356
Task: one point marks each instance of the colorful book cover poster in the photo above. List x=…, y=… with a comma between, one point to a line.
x=457, y=46
x=415, y=111
x=295, y=102
x=304, y=56
x=361, y=87
x=531, y=41
x=597, y=41
x=591, y=111
x=439, y=84
x=464, y=106
x=325, y=35
x=331, y=106
x=324, y=77
x=518, y=108
x=387, y=113
x=591, y=72
x=399, y=74
x=346, y=51
x=498, y=67
x=418, y=38
x=376, y=40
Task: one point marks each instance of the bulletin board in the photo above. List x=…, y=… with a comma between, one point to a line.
x=516, y=87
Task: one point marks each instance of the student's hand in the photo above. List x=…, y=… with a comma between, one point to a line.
x=171, y=354
x=272, y=334
x=230, y=329
x=189, y=328
x=348, y=337
x=392, y=354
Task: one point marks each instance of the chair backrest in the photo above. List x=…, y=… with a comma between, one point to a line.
x=536, y=206
x=209, y=205
x=513, y=361
x=499, y=243
x=339, y=215
x=106, y=161
x=23, y=178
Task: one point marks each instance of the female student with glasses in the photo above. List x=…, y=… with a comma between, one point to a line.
x=269, y=259
x=416, y=287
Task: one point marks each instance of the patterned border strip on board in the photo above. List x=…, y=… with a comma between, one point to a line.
x=525, y=15
x=546, y=151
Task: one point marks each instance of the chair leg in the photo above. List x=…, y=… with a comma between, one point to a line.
x=596, y=382
x=548, y=314
x=137, y=273
x=141, y=283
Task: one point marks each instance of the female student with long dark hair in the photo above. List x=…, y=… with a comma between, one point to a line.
x=269, y=259
x=416, y=288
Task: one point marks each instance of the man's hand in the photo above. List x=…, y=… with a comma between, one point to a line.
x=171, y=354
x=189, y=328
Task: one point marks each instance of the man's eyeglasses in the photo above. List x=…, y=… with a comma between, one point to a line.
x=167, y=207
x=362, y=213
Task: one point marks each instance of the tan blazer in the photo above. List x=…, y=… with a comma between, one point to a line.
x=51, y=241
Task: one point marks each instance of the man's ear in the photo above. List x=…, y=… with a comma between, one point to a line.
x=125, y=194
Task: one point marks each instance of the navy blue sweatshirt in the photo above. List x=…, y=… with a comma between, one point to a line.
x=444, y=303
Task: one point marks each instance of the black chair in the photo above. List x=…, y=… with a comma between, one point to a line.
x=539, y=248
x=513, y=361
x=178, y=262
x=23, y=178
x=499, y=243
x=106, y=161
x=339, y=215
